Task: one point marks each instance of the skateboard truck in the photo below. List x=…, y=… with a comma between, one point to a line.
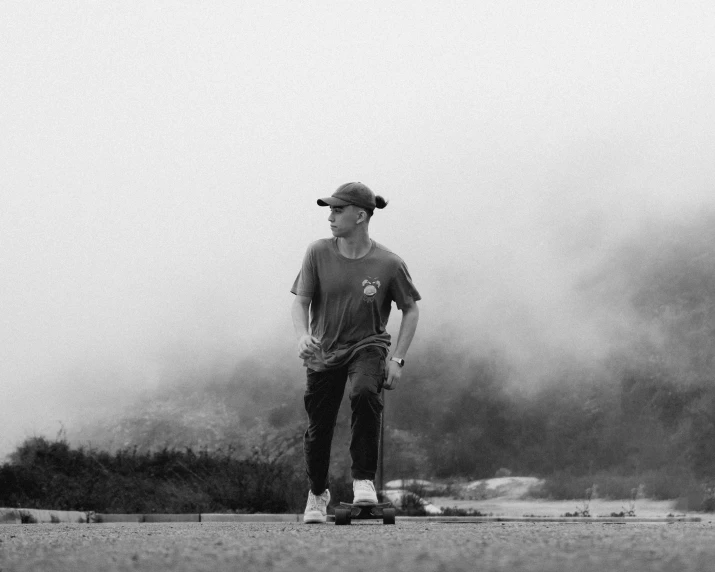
x=346, y=512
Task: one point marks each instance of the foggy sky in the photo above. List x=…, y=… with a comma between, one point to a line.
x=161, y=161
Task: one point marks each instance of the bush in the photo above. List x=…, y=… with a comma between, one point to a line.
x=454, y=511
x=411, y=505
x=52, y=475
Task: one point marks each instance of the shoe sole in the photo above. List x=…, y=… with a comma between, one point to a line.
x=364, y=500
x=314, y=519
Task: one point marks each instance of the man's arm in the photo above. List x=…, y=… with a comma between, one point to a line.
x=307, y=344
x=408, y=326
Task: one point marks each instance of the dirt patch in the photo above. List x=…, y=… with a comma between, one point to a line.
x=537, y=507
x=501, y=487
x=509, y=496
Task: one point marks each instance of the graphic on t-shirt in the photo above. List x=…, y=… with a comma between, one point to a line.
x=369, y=288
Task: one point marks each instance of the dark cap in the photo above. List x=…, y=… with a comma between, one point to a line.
x=351, y=194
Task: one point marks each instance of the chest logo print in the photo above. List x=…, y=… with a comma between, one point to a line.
x=369, y=289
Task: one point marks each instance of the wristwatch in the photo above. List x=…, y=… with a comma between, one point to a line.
x=398, y=360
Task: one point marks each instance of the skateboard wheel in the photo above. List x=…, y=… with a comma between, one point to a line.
x=342, y=516
x=388, y=516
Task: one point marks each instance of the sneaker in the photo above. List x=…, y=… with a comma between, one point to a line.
x=317, y=508
x=364, y=492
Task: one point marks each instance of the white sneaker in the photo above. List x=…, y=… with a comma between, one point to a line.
x=317, y=508
x=364, y=492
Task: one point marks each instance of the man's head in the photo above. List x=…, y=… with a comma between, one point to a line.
x=355, y=194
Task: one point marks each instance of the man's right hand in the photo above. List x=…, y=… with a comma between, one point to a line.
x=307, y=346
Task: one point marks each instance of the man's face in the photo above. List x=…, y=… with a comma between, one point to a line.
x=343, y=220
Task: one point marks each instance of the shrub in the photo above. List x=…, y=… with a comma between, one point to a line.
x=52, y=475
x=411, y=505
x=454, y=511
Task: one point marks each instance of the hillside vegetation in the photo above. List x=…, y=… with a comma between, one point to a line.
x=54, y=475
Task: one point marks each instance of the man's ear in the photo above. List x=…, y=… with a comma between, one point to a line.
x=362, y=216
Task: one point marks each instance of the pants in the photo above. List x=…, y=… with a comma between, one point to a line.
x=323, y=394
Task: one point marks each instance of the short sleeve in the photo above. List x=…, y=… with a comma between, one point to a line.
x=304, y=284
x=402, y=289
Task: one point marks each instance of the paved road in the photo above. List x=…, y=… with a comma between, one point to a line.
x=407, y=546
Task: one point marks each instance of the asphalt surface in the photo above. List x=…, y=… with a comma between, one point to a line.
x=408, y=545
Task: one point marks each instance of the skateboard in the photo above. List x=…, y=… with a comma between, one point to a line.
x=346, y=512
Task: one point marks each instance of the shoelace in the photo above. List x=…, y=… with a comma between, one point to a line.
x=313, y=502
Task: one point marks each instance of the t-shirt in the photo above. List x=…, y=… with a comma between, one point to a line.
x=350, y=299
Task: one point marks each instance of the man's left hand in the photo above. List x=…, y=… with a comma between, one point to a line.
x=393, y=372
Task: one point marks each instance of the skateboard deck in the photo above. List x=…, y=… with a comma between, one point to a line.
x=347, y=512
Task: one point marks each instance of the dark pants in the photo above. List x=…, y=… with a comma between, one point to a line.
x=323, y=394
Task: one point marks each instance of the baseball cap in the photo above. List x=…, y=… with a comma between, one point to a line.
x=350, y=194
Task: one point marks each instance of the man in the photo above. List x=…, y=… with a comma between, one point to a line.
x=343, y=297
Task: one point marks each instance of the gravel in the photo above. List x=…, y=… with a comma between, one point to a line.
x=409, y=545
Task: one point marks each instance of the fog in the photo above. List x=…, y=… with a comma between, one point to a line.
x=161, y=164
